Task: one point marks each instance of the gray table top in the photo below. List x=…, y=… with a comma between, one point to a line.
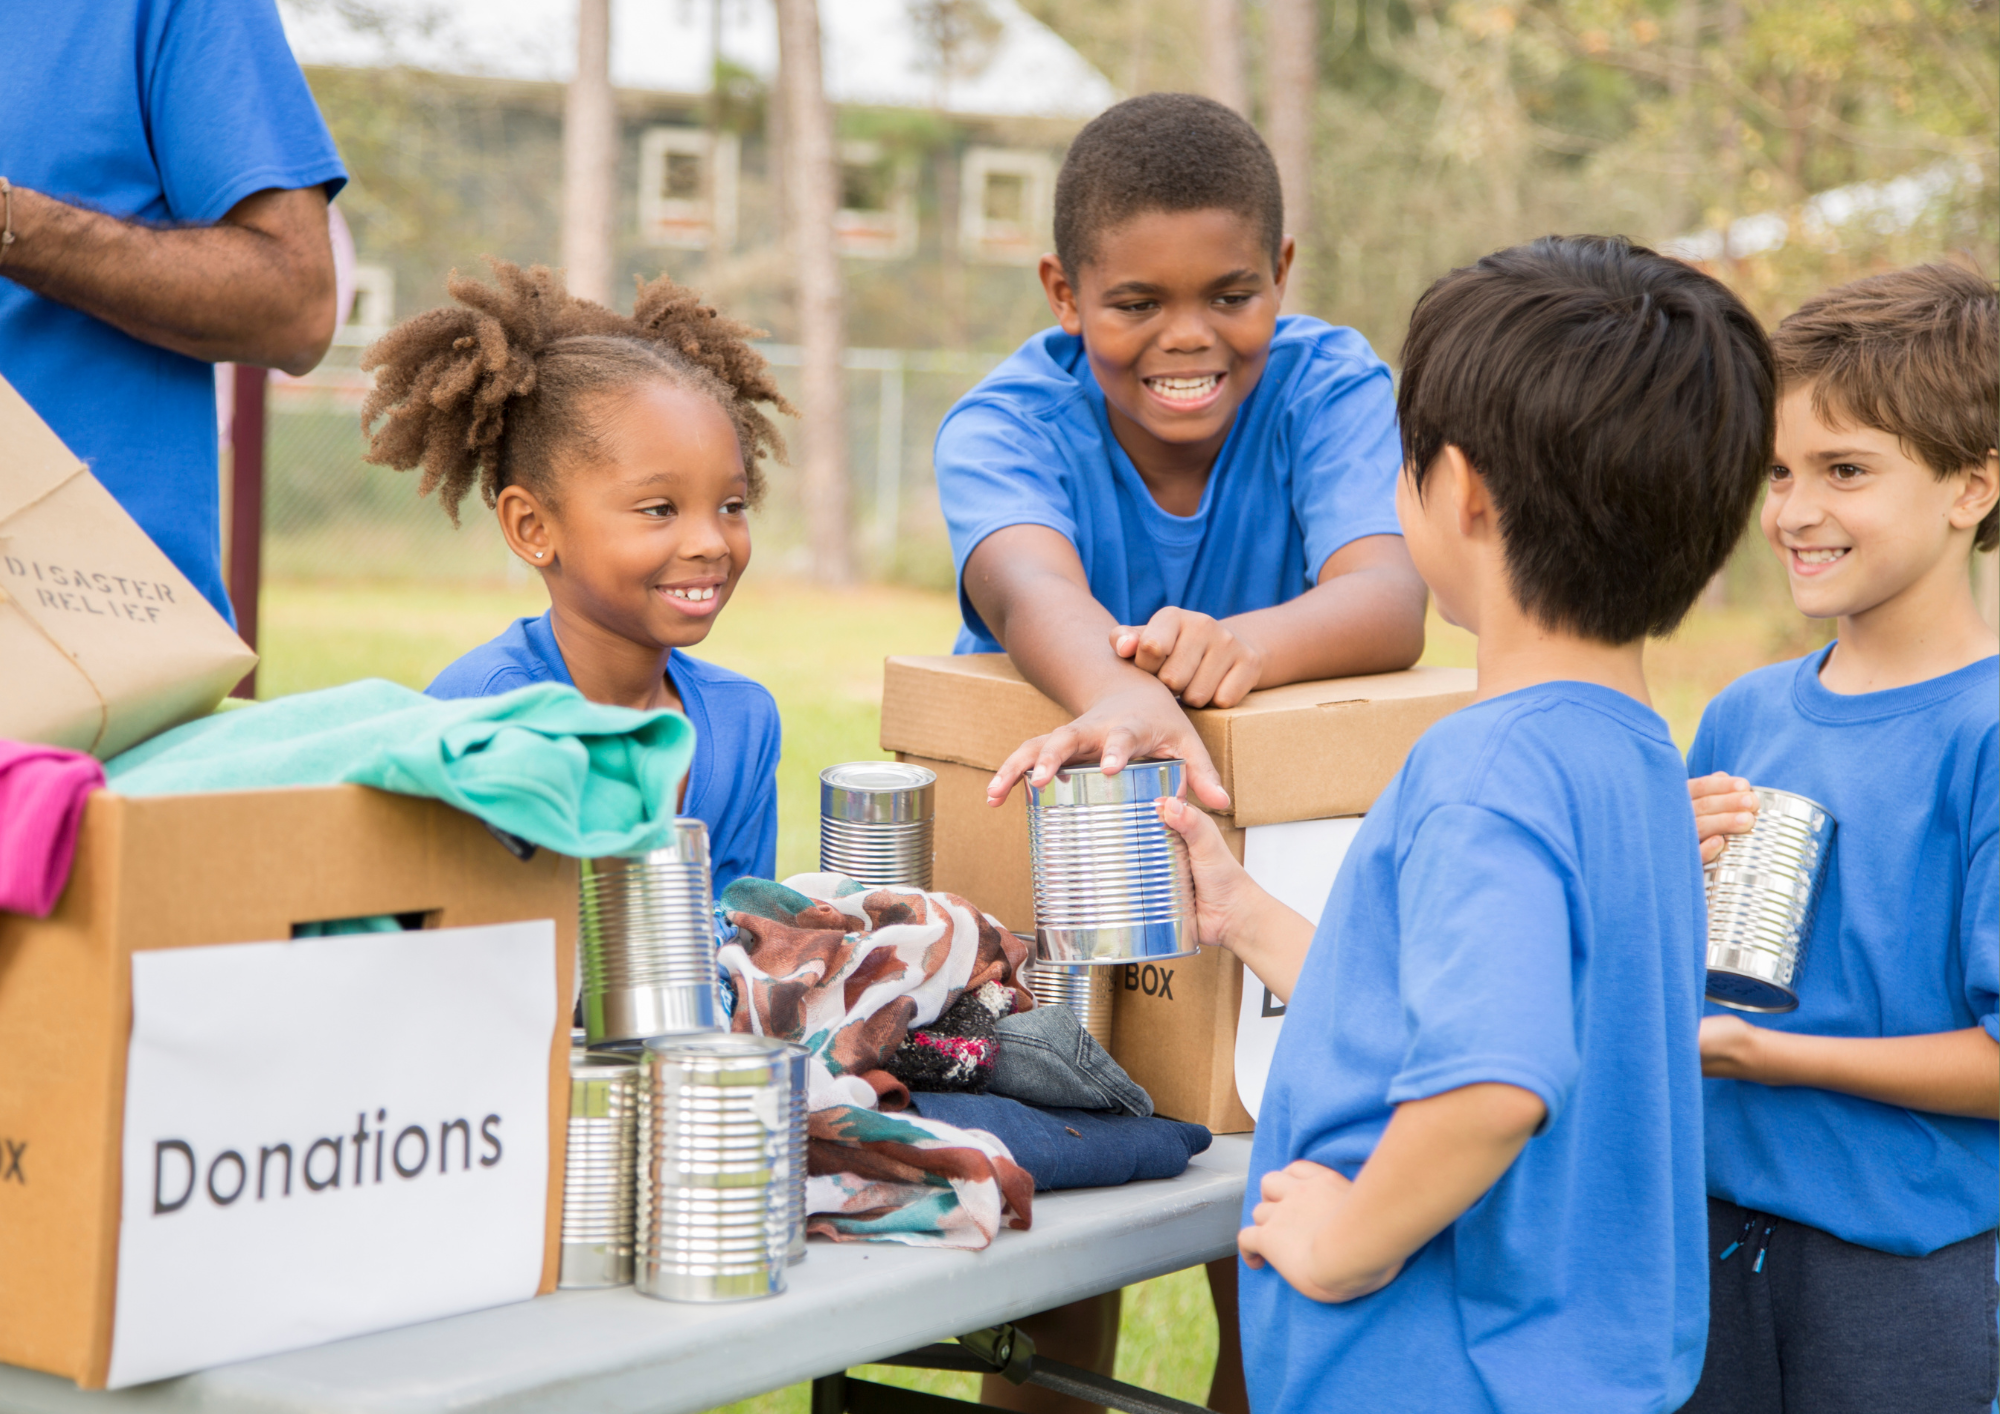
x=615, y=1352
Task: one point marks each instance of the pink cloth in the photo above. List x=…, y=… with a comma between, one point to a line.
x=42, y=791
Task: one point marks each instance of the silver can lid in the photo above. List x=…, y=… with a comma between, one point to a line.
x=877, y=792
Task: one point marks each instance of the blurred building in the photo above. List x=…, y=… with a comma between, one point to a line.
x=953, y=115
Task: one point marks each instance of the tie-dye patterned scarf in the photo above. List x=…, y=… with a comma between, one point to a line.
x=848, y=973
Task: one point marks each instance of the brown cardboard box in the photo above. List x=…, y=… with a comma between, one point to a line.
x=191, y=870
x=1307, y=751
x=104, y=643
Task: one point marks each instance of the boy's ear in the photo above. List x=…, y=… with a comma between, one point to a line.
x=1982, y=490
x=1287, y=249
x=1061, y=294
x=1458, y=479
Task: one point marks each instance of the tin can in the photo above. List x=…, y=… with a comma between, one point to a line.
x=714, y=1129
x=1112, y=882
x=648, y=940
x=1086, y=991
x=876, y=822
x=1763, y=896
x=599, y=1170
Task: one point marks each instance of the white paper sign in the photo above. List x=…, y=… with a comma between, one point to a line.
x=1296, y=863
x=330, y=1136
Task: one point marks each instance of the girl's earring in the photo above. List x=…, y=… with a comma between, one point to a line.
x=538, y=554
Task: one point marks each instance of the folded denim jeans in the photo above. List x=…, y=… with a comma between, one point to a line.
x=1047, y=1058
x=1071, y=1148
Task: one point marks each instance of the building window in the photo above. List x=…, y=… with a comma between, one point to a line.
x=374, y=307
x=878, y=207
x=687, y=188
x=1005, y=204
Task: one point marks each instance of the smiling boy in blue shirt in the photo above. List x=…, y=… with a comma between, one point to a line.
x=1477, y=1175
x=1853, y=1149
x=1175, y=496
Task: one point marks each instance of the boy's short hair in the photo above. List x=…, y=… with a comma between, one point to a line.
x=1915, y=354
x=1164, y=152
x=1618, y=404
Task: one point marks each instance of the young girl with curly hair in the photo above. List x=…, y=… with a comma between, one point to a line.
x=621, y=455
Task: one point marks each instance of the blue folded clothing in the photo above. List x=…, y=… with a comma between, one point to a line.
x=1071, y=1148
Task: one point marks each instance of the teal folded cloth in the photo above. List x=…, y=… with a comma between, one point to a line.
x=577, y=777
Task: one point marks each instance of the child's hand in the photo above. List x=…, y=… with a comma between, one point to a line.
x=1224, y=893
x=1200, y=661
x=1723, y=805
x=1126, y=726
x=1301, y=1202
x=1731, y=1048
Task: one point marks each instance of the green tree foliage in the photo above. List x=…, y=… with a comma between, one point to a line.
x=1445, y=130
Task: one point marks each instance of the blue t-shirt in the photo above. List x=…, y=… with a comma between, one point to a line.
x=1906, y=943
x=1523, y=905
x=167, y=111
x=732, y=784
x=1309, y=465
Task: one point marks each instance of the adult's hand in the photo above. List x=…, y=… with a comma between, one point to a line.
x=257, y=287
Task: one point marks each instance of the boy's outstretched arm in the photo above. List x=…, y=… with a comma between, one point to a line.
x=1948, y=1072
x=1335, y=1240
x=1365, y=615
x=1029, y=586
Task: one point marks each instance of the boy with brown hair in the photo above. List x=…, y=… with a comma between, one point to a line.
x=1852, y=1143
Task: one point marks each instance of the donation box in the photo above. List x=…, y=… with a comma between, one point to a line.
x=227, y=1129
x=1307, y=752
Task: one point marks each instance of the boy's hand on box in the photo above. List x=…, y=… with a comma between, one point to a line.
x=1198, y=659
x=1122, y=727
x=1723, y=805
x=1302, y=1206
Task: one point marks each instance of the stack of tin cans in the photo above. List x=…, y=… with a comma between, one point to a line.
x=648, y=938
x=715, y=1143
x=1763, y=893
x=875, y=823
x=1112, y=882
x=598, y=1170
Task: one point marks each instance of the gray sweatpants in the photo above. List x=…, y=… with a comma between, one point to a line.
x=1801, y=1322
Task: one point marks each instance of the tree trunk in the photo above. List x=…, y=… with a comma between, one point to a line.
x=1222, y=54
x=1291, y=78
x=812, y=197
x=590, y=156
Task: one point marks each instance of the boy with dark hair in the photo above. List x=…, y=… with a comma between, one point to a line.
x=1478, y=1163
x=1852, y=1143
x=1176, y=494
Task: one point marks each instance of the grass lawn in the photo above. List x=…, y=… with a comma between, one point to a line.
x=820, y=652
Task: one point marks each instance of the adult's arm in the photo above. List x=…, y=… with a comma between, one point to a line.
x=255, y=287
x=1029, y=586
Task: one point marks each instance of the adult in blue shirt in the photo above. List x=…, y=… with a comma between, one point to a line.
x=1175, y=494
x=166, y=180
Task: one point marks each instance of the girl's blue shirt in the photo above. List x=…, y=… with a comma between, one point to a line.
x=732, y=786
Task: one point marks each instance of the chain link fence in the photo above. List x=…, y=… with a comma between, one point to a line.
x=329, y=516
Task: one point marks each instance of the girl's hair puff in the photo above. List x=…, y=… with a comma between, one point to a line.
x=488, y=393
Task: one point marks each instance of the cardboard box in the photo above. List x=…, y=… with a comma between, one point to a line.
x=191, y=870
x=1306, y=751
x=104, y=641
